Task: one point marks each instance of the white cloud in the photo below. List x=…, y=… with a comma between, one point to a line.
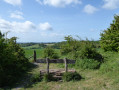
x=59, y=3
x=17, y=15
x=22, y=27
x=90, y=9
x=111, y=4
x=45, y=26
x=14, y=2
x=17, y=27
x=54, y=34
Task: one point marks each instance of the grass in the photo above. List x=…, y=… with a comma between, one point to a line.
x=105, y=78
x=29, y=52
x=93, y=80
x=31, y=47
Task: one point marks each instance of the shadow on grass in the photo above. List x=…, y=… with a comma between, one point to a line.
x=23, y=80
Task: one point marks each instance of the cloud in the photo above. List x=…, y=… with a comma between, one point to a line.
x=14, y=2
x=90, y=9
x=111, y=4
x=59, y=3
x=17, y=27
x=45, y=26
x=54, y=34
x=22, y=27
x=17, y=15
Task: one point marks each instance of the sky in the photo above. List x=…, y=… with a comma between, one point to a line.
x=52, y=20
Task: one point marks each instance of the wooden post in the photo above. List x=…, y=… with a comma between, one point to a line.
x=34, y=56
x=65, y=61
x=47, y=61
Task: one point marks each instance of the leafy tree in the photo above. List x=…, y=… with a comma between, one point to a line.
x=12, y=61
x=50, y=53
x=110, y=37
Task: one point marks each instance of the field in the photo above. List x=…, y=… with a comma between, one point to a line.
x=29, y=52
x=99, y=79
x=39, y=52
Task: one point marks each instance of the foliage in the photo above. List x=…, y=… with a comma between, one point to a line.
x=71, y=45
x=50, y=53
x=88, y=51
x=80, y=49
x=48, y=77
x=84, y=52
x=12, y=61
x=88, y=64
x=69, y=76
x=35, y=78
x=110, y=37
x=111, y=63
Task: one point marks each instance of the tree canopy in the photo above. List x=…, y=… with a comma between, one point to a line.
x=110, y=37
x=12, y=61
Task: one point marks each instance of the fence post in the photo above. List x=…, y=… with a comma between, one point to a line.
x=47, y=61
x=65, y=61
x=34, y=56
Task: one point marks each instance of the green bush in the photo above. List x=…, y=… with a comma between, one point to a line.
x=69, y=76
x=110, y=37
x=13, y=62
x=50, y=53
x=35, y=78
x=48, y=77
x=88, y=51
x=88, y=64
x=109, y=66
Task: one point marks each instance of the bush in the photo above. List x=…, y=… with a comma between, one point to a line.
x=69, y=76
x=50, y=53
x=110, y=66
x=88, y=64
x=47, y=77
x=89, y=52
x=35, y=78
x=13, y=62
x=110, y=37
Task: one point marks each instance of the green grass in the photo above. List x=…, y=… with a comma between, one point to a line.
x=29, y=52
x=31, y=47
x=93, y=80
x=105, y=78
x=39, y=52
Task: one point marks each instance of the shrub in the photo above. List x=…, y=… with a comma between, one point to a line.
x=50, y=53
x=13, y=62
x=47, y=77
x=88, y=64
x=35, y=78
x=89, y=52
x=109, y=66
x=69, y=76
x=110, y=37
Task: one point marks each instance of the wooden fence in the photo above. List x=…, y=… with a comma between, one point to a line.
x=47, y=60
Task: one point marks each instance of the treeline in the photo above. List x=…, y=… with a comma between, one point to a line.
x=54, y=45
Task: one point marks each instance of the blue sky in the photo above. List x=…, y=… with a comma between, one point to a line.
x=51, y=20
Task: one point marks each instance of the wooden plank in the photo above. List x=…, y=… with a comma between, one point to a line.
x=71, y=61
x=66, y=66
x=47, y=60
x=34, y=56
x=55, y=61
x=41, y=60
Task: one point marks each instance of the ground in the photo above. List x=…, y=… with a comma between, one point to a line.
x=92, y=80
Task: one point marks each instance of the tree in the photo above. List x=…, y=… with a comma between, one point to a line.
x=12, y=61
x=110, y=37
x=50, y=53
